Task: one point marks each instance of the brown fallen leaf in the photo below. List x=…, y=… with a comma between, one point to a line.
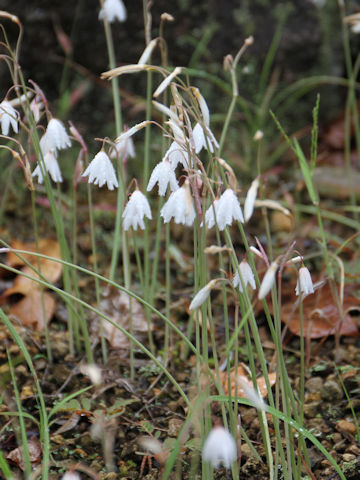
x=241, y=376
x=35, y=454
x=29, y=309
x=115, y=304
x=321, y=316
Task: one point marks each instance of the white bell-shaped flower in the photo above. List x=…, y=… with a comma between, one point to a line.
x=164, y=175
x=8, y=116
x=177, y=154
x=101, y=171
x=51, y=166
x=228, y=209
x=304, y=283
x=220, y=448
x=136, y=209
x=180, y=207
x=201, y=141
x=250, y=199
x=268, y=280
x=56, y=135
x=113, y=10
x=210, y=214
x=247, y=276
x=124, y=149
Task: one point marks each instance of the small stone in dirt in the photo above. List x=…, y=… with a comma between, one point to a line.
x=311, y=409
x=348, y=457
x=331, y=391
x=354, y=449
x=346, y=427
x=175, y=425
x=314, y=384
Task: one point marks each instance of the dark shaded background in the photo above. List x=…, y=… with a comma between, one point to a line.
x=310, y=45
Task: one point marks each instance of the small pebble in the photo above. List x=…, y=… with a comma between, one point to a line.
x=345, y=426
x=348, y=457
x=332, y=391
x=314, y=384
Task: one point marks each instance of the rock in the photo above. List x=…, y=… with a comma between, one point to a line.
x=354, y=449
x=346, y=427
x=311, y=409
x=332, y=391
x=348, y=457
x=175, y=425
x=314, y=384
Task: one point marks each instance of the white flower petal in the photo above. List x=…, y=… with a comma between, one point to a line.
x=268, y=280
x=101, y=171
x=136, y=209
x=56, y=135
x=113, y=10
x=8, y=116
x=220, y=448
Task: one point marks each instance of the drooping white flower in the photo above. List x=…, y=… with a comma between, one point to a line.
x=101, y=171
x=268, y=280
x=220, y=448
x=8, y=116
x=123, y=149
x=202, y=295
x=177, y=154
x=113, y=10
x=36, y=107
x=180, y=207
x=71, y=475
x=210, y=214
x=247, y=276
x=164, y=175
x=228, y=209
x=136, y=209
x=201, y=141
x=250, y=199
x=51, y=166
x=56, y=135
x=304, y=283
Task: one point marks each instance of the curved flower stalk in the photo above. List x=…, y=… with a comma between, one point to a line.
x=164, y=175
x=180, y=207
x=247, y=276
x=136, y=209
x=101, y=171
x=220, y=448
x=113, y=10
x=8, y=116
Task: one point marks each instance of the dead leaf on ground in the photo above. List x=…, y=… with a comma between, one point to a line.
x=321, y=316
x=242, y=374
x=30, y=312
x=116, y=305
x=35, y=454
